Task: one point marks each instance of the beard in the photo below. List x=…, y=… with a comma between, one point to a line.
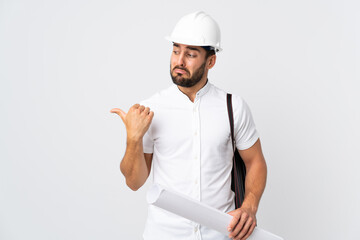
x=181, y=81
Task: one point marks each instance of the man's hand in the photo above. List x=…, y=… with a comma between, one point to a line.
x=137, y=121
x=242, y=224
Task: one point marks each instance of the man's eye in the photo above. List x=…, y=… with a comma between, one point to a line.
x=176, y=52
x=191, y=55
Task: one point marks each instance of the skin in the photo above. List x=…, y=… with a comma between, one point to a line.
x=190, y=58
x=244, y=218
x=136, y=165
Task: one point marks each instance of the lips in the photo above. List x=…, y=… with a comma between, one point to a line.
x=180, y=70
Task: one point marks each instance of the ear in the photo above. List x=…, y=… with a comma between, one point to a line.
x=211, y=61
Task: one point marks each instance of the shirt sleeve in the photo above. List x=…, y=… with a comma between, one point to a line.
x=244, y=127
x=148, y=142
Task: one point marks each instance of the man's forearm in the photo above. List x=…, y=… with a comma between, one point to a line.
x=133, y=165
x=244, y=218
x=255, y=182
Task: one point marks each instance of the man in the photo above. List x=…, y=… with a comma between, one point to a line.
x=185, y=139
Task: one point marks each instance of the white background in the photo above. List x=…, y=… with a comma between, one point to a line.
x=65, y=64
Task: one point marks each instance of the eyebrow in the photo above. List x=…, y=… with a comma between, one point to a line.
x=190, y=48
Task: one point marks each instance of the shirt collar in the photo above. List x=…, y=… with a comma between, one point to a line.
x=199, y=93
x=204, y=89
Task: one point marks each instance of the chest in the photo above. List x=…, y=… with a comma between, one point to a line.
x=202, y=126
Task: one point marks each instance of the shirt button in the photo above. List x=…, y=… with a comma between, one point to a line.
x=195, y=133
x=196, y=228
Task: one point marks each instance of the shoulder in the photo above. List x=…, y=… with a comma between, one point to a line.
x=239, y=105
x=237, y=100
x=158, y=97
x=217, y=92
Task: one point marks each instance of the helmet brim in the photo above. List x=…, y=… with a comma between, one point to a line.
x=191, y=43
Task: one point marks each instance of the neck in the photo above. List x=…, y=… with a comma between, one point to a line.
x=190, y=92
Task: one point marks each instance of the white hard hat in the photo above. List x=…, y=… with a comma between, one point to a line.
x=197, y=29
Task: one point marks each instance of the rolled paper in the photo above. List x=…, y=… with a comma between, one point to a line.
x=197, y=211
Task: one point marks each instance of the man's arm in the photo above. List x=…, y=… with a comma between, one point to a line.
x=244, y=218
x=135, y=165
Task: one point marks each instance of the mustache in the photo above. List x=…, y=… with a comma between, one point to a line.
x=181, y=68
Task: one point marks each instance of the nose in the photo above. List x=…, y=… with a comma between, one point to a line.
x=181, y=60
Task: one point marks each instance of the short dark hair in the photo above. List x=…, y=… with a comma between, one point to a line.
x=209, y=51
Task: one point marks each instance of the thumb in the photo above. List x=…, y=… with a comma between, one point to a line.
x=232, y=213
x=119, y=112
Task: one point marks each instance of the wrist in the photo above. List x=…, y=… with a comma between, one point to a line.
x=133, y=140
x=250, y=202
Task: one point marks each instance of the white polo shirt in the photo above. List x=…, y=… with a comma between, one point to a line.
x=192, y=154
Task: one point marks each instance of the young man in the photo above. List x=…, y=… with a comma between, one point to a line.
x=185, y=139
